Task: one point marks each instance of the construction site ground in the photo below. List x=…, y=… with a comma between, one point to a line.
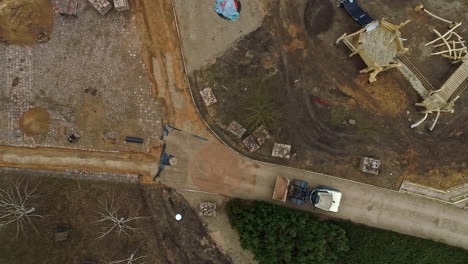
x=292, y=59
x=281, y=52
x=88, y=78
x=75, y=204
x=95, y=76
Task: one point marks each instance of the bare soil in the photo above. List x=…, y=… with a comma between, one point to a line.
x=295, y=47
x=75, y=204
x=35, y=121
x=235, y=175
x=25, y=21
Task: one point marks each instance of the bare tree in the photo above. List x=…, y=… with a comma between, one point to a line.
x=16, y=205
x=133, y=259
x=110, y=214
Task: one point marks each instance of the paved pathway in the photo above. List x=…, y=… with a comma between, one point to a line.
x=211, y=167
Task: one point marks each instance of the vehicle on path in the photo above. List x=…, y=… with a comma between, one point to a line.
x=298, y=192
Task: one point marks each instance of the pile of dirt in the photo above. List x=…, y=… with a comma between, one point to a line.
x=35, y=121
x=25, y=21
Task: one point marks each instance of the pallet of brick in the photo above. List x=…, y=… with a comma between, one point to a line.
x=102, y=6
x=208, y=96
x=121, y=5
x=207, y=209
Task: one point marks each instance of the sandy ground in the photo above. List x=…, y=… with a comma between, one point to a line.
x=205, y=36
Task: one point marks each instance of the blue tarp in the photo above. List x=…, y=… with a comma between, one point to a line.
x=229, y=9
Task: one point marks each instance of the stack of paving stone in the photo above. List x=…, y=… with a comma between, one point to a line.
x=208, y=96
x=237, y=129
x=281, y=151
x=102, y=6
x=257, y=139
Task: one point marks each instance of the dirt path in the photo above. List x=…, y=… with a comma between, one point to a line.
x=58, y=159
x=157, y=24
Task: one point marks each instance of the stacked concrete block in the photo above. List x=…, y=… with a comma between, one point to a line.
x=102, y=6
x=281, y=151
x=237, y=129
x=121, y=5
x=208, y=96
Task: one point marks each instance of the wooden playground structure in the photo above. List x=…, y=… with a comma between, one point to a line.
x=380, y=46
x=377, y=44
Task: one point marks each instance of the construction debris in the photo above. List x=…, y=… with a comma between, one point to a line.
x=237, y=129
x=208, y=96
x=207, y=209
x=281, y=151
x=67, y=7
x=121, y=5
x=378, y=44
x=370, y=165
x=261, y=135
x=251, y=143
x=102, y=6
x=61, y=234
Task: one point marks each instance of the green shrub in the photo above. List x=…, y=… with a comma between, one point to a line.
x=281, y=235
x=372, y=245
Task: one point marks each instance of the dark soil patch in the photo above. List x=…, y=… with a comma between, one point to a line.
x=318, y=16
x=15, y=82
x=75, y=204
x=308, y=67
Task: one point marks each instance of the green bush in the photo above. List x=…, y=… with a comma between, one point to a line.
x=372, y=245
x=281, y=235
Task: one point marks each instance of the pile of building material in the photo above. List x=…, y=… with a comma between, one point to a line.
x=251, y=143
x=61, y=234
x=207, y=209
x=208, y=96
x=370, y=165
x=281, y=151
x=102, y=6
x=257, y=139
x=237, y=129
x=67, y=7
x=261, y=135
x=121, y=5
